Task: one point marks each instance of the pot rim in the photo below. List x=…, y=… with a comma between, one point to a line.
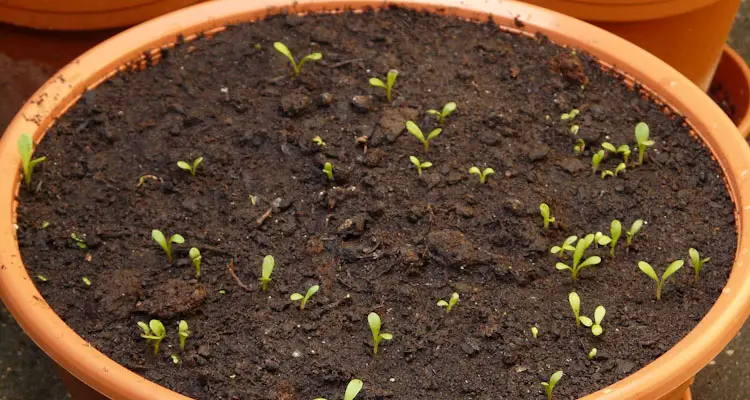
x=68, y=349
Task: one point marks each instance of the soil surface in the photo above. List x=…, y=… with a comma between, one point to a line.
x=379, y=237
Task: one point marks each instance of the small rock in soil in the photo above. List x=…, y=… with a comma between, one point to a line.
x=354, y=226
x=204, y=350
x=190, y=204
x=538, y=153
x=449, y=248
x=624, y=366
x=294, y=104
x=455, y=177
x=515, y=207
x=569, y=66
x=363, y=103
x=376, y=209
x=465, y=211
x=589, y=136
x=571, y=165
x=393, y=121
x=373, y=158
x=490, y=138
x=432, y=179
x=120, y=294
x=326, y=99
x=172, y=297
x=270, y=366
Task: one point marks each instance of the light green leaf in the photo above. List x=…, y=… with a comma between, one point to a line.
x=426, y=164
x=599, y=314
x=386, y=336
x=648, y=270
x=555, y=249
x=672, y=268
x=442, y=303
x=555, y=378
x=144, y=327
x=609, y=147
x=268, y=264
x=377, y=83
x=184, y=165
x=373, y=320
x=694, y=256
x=597, y=330
x=159, y=237
x=176, y=238
x=281, y=48
x=449, y=107
x=434, y=134
x=414, y=130
x=313, y=289
x=296, y=297
x=561, y=266
x=641, y=132
x=194, y=253
x=475, y=171
x=415, y=161
x=157, y=328
x=353, y=389
x=586, y=321
x=593, y=260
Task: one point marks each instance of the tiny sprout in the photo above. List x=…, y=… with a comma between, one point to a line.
x=570, y=115
x=166, y=245
x=579, y=146
x=550, y=386
x=42, y=278
x=482, y=174
x=86, y=281
x=25, y=148
x=607, y=173
x=615, y=229
x=695, y=260
x=448, y=109
x=637, y=224
x=601, y=239
x=609, y=147
x=596, y=324
x=414, y=130
x=175, y=358
x=319, y=141
x=303, y=299
x=253, y=199
x=388, y=86
x=281, y=48
x=534, y=332
x=154, y=333
x=195, y=256
x=268, y=264
x=625, y=151
x=419, y=164
x=592, y=353
x=184, y=332
x=79, y=241
x=45, y=224
x=450, y=303
x=581, y=246
x=641, y=136
x=575, y=305
x=620, y=167
x=596, y=159
x=373, y=320
x=574, y=129
x=352, y=390
x=671, y=269
x=222, y=291
x=544, y=210
x=328, y=170
x=566, y=246
x=188, y=167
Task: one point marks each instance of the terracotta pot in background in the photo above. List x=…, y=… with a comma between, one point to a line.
x=667, y=378
x=688, y=34
x=731, y=88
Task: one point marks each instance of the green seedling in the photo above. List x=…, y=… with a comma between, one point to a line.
x=544, y=210
x=596, y=324
x=25, y=148
x=482, y=174
x=630, y=234
x=419, y=164
x=641, y=136
x=592, y=353
x=601, y=239
x=615, y=229
x=297, y=67
x=328, y=170
x=571, y=115
x=190, y=167
x=352, y=390
x=184, y=332
x=253, y=199
x=550, y=386
x=267, y=269
x=42, y=278
x=303, y=299
x=671, y=269
x=195, y=256
x=620, y=167
x=607, y=173
x=86, y=281
x=609, y=147
x=450, y=303
x=175, y=358
x=596, y=159
x=567, y=245
x=697, y=262
x=79, y=241
x=448, y=109
x=390, y=80
x=319, y=141
x=574, y=129
x=579, y=146
x=166, y=245
x=154, y=333
x=534, y=332
x=575, y=305
x=373, y=320
x=581, y=246
x=45, y=224
x=625, y=151
x=414, y=130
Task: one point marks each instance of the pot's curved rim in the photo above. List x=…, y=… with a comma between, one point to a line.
x=74, y=354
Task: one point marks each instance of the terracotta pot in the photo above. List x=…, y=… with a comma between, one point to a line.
x=732, y=87
x=667, y=378
x=77, y=15
x=687, y=34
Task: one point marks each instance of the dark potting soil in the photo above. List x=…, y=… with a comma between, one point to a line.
x=379, y=237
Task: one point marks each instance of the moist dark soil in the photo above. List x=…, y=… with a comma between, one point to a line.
x=378, y=238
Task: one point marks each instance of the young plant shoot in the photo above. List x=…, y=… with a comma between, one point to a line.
x=166, y=245
x=601, y=239
x=581, y=246
x=569, y=116
x=184, y=332
x=448, y=109
x=352, y=390
x=482, y=174
x=25, y=148
x=550, y=386
x=697, y=262
x=630, y=234
x=154, y=333
x=195, y=256
x=641, y=136
x=450, y=303
x=567, y=245
x=414, y=130
x=420, y=164
x=579, y=146
x=319, y=141
x=596, y=324
x=534, y=332
x=268, y=264
x=615, y=230
x=671, y=269
x=607, y=173
x=575, y=305
x=620, y=167
x=592, y=353
x=303, y=299
x=390, y=79
x=373, y=320
x=596, y=159
x=297, y=67
x=625, y=151
x=609, y=147
x=328, y=170
x=190, y=167
x=574, y=129
x=544, y=210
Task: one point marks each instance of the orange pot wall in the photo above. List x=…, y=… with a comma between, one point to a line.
x=687, y=34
